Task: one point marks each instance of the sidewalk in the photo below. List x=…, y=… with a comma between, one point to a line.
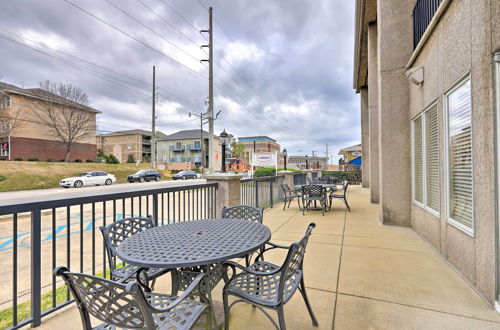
x=359, y=275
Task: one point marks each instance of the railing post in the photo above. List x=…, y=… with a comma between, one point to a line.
x=256, y=193
x=271, y=181
x=228, y=191
x=155, y=208
x=36, y=268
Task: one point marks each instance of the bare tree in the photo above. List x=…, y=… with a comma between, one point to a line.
x=63, y=112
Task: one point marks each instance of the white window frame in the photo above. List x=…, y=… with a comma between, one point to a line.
x=454, y=223
x=422, y=115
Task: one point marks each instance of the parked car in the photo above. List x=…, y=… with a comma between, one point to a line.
x=88, y=179
x=144, y=175
x=184, y=175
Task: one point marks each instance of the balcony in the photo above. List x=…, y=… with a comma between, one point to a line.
x=194, y=147
x=359, y=274
x=423, y=12
x=176, y=148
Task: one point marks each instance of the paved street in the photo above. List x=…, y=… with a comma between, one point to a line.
x=73, y=229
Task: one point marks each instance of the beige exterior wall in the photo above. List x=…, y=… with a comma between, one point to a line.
x=461, y=44
x=122, y=145
x=27, y=125
x=365, y=137
x=373, y=113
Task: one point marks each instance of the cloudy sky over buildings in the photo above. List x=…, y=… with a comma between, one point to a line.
x=282, y=68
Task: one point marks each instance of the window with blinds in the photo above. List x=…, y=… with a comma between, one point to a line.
x=432, y=158
x=418, y=163
x=460, y=209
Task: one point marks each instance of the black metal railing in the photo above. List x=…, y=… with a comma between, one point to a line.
x=38, y=236
x=299, y=178
x=261, y=192
x=423, y=12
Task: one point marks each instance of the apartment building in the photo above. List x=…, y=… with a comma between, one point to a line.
x=427, y=72
x=136, y=142
x=24, y=135
x=310, y=162
x=261, y=143
x=187, y=149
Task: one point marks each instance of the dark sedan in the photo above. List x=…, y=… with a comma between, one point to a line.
x=144, y=175
x=184, y=175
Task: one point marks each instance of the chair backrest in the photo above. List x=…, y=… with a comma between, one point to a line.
x=119, y=304
x=312, y=191
x=345, y=185
x=286, y=188
x=294, y=260
x=244, y=212
x=115, y=233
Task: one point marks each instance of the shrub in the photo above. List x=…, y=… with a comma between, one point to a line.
x=63, y=160
x=130, y=159
x=146, y=159
x=78, y=160
x=2, y=178
x=33, y=159
x=111, y=159
x=264, y=171
x=18, y=158
x=354, y=177
x=50, y=160
x=89, y=161
x=3, y=158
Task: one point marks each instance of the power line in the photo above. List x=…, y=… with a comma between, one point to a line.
x=150, y=29
x=168, y=23
x=134, y=38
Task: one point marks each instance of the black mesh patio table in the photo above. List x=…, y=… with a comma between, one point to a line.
x=193, y=243
x=330, y=186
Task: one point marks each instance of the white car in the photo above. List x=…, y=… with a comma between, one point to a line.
x=88, y=179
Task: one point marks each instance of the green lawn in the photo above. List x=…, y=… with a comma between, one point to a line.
x=23, y=175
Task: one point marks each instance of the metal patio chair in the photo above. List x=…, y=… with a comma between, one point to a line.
x=114, y=234
x=127, y=305
x=290, y=194
x=314, y=193
x=244, y=212
x=342, y=194
x=266, y=285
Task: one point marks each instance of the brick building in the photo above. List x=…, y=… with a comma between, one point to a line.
x=24, y=135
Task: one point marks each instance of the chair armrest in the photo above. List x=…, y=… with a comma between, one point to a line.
x=273, y=246
x=183, y=296
x=235, y=265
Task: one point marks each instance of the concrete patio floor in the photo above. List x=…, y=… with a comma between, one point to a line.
x=359, y=275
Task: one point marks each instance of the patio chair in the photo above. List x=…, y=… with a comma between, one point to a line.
x=247, y=213
x=290, y=194
x=266, y=285
x=313, y=193
x=114, y=234
x=342, y=194
x=127, y=305
x=244, y=212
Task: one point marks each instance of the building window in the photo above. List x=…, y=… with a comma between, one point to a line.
x=129, y=147
x=418, y=161
x=425, y=145
x=197, y=144
x=459, y=151
x=5, y=102
x=178, y=145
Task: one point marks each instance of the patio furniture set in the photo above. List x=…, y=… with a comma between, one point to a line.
x=197, y=254
x=322, y=190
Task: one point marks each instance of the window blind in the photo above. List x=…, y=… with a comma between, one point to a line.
x=460, y=155
x=432, y=158
x=418, y=192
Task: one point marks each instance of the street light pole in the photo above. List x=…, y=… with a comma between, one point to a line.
x=285, y=154
x=224, y=137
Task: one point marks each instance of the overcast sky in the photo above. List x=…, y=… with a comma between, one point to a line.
x=281, y=68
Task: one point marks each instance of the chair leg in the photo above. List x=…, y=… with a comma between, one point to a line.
x=284, y=204
x=226, y=310
x=247, y=260
x=302, y=289
x=347, y=205
x=281, y=317
x=212, y=321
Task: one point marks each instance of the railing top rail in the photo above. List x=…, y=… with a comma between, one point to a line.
x=262, y=178
x=75, y=198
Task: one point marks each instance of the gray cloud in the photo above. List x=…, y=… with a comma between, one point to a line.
x=285, y=72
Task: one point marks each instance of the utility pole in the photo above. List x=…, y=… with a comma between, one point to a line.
x=153, y=124
x=211, y=156
x=327, y=157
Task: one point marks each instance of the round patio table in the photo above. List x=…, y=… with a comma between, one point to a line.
x=193, y=243
x=324, y=185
